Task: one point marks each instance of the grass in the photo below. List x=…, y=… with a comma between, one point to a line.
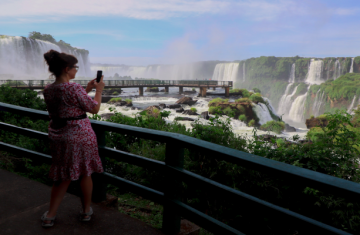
x=115, y=100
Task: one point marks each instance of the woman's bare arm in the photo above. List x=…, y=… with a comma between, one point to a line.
x=99, y=87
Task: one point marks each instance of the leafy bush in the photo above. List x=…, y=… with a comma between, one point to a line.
x=240, y=108
x=215, y=110
x=216, y=101
x=193, y=110
x=115, y=93
x=113, y=100
x=256, y=90
x=228, y=111
x=274, y=126
x=242, y=118
x=256, y=98
x=251, y=123
x=128, y=101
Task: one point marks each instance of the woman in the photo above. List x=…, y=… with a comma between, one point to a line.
x=73, y=142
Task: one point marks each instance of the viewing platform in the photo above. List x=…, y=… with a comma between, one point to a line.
x=202, y=84
x=23, y=201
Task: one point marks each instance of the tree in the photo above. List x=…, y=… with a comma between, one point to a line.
x=44, y=37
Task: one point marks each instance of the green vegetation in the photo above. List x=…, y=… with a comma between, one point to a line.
x=193, y=110
x=335, y=152
x=274, y=126
x=63, y=45
x=256, y=90
x=252, y=122
x=115, y=93
x=128, y=101
x=256, y=98
x=113, y=100
x=242, y=118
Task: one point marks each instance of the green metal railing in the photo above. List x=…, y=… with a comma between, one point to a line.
x=40, y=84
x=174, y=173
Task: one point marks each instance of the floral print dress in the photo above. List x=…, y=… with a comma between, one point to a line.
x=73, y=147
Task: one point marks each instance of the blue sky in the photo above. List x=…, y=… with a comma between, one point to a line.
x=146, y=32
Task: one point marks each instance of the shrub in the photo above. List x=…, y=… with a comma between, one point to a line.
x=256, y=98
x=113, y=100
x=193, y=110
x=245, y=93
x=274, y=126
x=216, y=101
x=115, y=93
x=128, y=101
x=242, y=118
x=235, y=90
x=229, y=112
x=242, y=100
x=215, y=110
x=256, y=90
x=193, y=89
x=240, y=108
x=251, y=123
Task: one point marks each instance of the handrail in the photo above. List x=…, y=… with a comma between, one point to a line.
x=173, y=169
x=39, y=84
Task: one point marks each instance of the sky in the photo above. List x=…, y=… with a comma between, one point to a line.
x=143, y=32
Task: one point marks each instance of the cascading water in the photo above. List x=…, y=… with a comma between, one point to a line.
x=24, y=58
x=262, y=112
x=292, y=74
x=315, y=72
x=226, y=72
x=337, y=69
x=285, y=101
x=296, y=112
x=352, y=65
x=351, y=107
x=318, y=102
x=244, y=72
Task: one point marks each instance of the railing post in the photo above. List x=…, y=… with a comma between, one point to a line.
x=99, y=185
x=174, y=156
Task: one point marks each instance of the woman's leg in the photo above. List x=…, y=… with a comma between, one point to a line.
x=57, y=194
x=86, y=185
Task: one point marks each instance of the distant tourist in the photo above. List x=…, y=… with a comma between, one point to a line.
x=73, y=143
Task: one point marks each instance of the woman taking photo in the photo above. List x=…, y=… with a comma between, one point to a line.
x=73, y=143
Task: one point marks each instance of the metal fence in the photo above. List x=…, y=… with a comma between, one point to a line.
x=122, y=83
x=175, y=174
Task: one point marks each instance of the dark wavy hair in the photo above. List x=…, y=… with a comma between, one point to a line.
x=57, y=62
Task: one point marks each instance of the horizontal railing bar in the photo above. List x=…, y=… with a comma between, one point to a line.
x=122, y=156
x=203, y=220
x=43, y=115
x=251, y=202
x=143, y=191
x=25, y=153
x=307, y=177
x=24, y=131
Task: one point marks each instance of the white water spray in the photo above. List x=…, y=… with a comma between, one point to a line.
x=314, y=75
x=352, y=65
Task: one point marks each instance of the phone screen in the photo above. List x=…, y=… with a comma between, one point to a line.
x=98, y=76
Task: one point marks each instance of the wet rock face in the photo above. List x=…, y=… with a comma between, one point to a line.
x=289, y=128
x=205, y=115
x=190, y=112
x=174, y=106
x=106, y=115
x=120, y=103
x=316, y=122
x=150, y=110
x=180, y=110
x=186, y=100
x=163, y=106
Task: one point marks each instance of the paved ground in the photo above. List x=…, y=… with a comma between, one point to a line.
x=23, y=201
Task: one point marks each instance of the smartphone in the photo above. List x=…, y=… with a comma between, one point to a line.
x=98, y=76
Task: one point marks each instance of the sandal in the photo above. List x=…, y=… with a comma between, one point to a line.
x=86, y=214
x=44, y=218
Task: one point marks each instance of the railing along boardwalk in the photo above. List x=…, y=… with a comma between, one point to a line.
x=202, y=84
x=172, y=168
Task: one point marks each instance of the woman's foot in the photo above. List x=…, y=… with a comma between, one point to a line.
x=47, y=221
x=86, y=215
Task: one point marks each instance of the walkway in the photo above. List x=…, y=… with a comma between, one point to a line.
x=23, y=201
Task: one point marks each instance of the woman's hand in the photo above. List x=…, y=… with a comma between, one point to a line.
x=99, y=86
x=90, y=85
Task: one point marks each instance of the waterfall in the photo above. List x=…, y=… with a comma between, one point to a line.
x=337, y=69
x=352, y=65
x=319, y=100
x=24, y=58
x=262, y=113
x=296, y=112
x=351, y=107
x=292, y=74
x=244, y=73
x=286, y=101
x=314, y=75
x=269, y=106
x=226, y=72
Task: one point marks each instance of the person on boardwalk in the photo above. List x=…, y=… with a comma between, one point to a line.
x=73, y=143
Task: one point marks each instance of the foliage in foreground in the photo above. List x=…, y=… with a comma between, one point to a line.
x=335, y=153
